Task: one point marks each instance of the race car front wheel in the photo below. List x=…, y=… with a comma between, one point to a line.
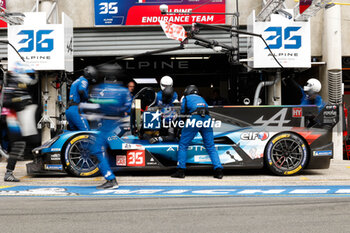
x=286, y=154
x=77, y=159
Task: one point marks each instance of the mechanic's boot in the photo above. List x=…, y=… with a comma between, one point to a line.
x=9, y=177
x=180, y=173
x=218, y=173
x=110, y=184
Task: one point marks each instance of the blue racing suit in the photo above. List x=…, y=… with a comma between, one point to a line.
x=191, y=105
x=114, y=101
x=312, y=100
x=160, y=98
x=306, y=99
x=78, y=94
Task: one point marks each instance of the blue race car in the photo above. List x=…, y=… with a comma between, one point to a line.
x=285, y=139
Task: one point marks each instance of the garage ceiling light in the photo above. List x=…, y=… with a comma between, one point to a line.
x=145, y=80
x=188, y=58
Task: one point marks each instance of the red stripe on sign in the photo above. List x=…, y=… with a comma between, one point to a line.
x=303, y=5
x=150, y=15
x=3, y=24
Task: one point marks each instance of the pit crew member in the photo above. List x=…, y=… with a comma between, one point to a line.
x=113, y=101
x=195, y=105
x=166, y=81
x=310, y=94
x=15, y=99
x=168, y=115
x=78, y=94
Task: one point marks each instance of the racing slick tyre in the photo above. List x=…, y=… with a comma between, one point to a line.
x=286, y=154
x=76, y=157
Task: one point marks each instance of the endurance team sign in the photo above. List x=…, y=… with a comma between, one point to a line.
x=146, y=12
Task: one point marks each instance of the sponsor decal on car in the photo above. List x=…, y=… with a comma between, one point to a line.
x=129, y=146
x=297, y=112
x=112, y=138
x=55, y=157
x=330, y=107
x=77, y=138
x=53, y=167
x=255, y=135
x=293, y=171
x=89, y=173
x=56, y=149
x=191, y=148
x=152, y=162
x=121, y=160
x=202, y=158
x=280, y=137
x=323, y=153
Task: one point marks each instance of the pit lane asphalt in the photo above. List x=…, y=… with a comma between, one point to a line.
x=175, y=215
x=337, y=174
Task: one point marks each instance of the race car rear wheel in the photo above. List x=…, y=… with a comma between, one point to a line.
x=286, y=154
x=76, y=156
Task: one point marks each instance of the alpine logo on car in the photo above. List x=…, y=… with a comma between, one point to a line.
x=255, y=135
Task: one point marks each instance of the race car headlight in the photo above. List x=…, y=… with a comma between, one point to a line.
x=46, y=144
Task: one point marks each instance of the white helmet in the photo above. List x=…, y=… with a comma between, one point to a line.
x=166, y=81
x=312, y=86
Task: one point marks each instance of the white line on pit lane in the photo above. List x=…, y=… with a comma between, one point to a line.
x=176, y=191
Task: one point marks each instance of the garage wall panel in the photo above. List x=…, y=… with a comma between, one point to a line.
x=113, y=42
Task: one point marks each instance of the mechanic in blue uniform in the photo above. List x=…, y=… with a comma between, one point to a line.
x=310, y=94
x=79, y=94
x=113, y=101
x=196, y=106
x=166, y=81
x=168, y=114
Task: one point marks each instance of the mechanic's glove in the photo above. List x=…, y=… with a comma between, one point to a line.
x=155, y=140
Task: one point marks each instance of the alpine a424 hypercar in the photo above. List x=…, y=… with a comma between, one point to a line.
x=285, y=139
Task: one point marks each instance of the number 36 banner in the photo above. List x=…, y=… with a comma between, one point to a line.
x=146, y=12
x=288, y=40
x=43, y=46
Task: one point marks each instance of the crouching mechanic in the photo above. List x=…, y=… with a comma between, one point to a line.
x=113, y=101
x=168, y=114
x=79, y=94
x=196, y=106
